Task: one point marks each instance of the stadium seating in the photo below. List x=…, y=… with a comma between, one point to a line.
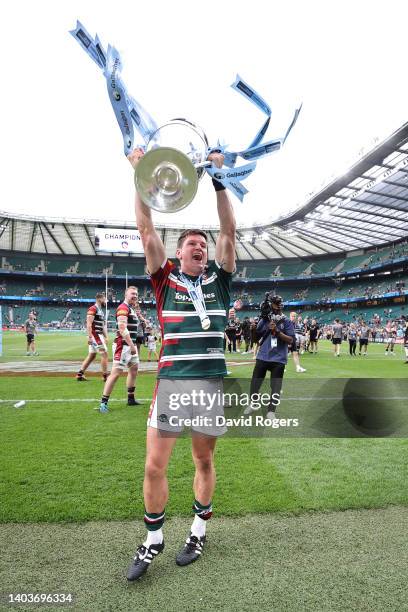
x=324, y=266
x=72, y=265
x=118, y=265
x=20, y=262
x=316, y=293
x=249, y=294
x=131, y=266
x=285, y=268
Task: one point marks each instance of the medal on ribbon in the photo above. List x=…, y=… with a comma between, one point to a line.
x=195, y=292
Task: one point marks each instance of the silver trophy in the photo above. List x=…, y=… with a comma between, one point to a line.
x=167, y=176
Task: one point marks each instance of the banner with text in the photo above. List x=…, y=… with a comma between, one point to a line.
x=118, y=240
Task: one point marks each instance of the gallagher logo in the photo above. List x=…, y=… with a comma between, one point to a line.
x=236, y=174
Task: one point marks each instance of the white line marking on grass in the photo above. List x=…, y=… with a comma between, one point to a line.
x=70, y=399
x=149, y=399
x=340, y=397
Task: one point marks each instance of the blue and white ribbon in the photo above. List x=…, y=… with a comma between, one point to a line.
x=128, y=112
x=255, y=149
x=118, y=98
x=231, y=177
x=131, y=115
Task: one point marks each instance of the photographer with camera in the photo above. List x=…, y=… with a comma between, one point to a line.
x=276, y=333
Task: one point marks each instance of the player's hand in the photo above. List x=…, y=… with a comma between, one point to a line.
x=90, y=339
x=217, y=159
x=133, y=350
x=135, y=156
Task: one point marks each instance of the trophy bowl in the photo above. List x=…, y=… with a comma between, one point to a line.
x=167, y=175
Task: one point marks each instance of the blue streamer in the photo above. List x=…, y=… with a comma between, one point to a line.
x=128, y=112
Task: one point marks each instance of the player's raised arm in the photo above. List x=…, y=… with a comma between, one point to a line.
x=152, y=244
x=225, y=247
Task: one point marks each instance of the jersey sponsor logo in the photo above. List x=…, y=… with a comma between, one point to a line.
x=183, y=297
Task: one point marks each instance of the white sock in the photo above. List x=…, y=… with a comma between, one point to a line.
x=153, y=537
x=198, y=527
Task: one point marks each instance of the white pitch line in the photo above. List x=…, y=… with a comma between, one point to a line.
x=149, y=399
x=376, y=397
x=92, y=399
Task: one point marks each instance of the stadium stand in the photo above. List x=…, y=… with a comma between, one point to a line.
x=317, y=267
x=304, y=255
x=84, y=266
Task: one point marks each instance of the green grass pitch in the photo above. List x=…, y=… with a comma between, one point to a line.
x=322, y=515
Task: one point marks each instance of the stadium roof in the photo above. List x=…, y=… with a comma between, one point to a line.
x=365, y=207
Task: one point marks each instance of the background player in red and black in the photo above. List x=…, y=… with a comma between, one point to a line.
x=97, y=337
x=125, y=354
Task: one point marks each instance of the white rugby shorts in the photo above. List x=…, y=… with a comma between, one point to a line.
x=98, y=344
x=122, y=357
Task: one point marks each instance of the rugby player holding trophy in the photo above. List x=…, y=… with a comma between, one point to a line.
x=192, y=300
x=192, y=304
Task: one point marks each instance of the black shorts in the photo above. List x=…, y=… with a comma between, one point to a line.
x=336, y=340
x=294, y=347
x=30, y=338
x=363, y=341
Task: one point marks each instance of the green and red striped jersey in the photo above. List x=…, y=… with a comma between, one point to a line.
x=187, y=350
